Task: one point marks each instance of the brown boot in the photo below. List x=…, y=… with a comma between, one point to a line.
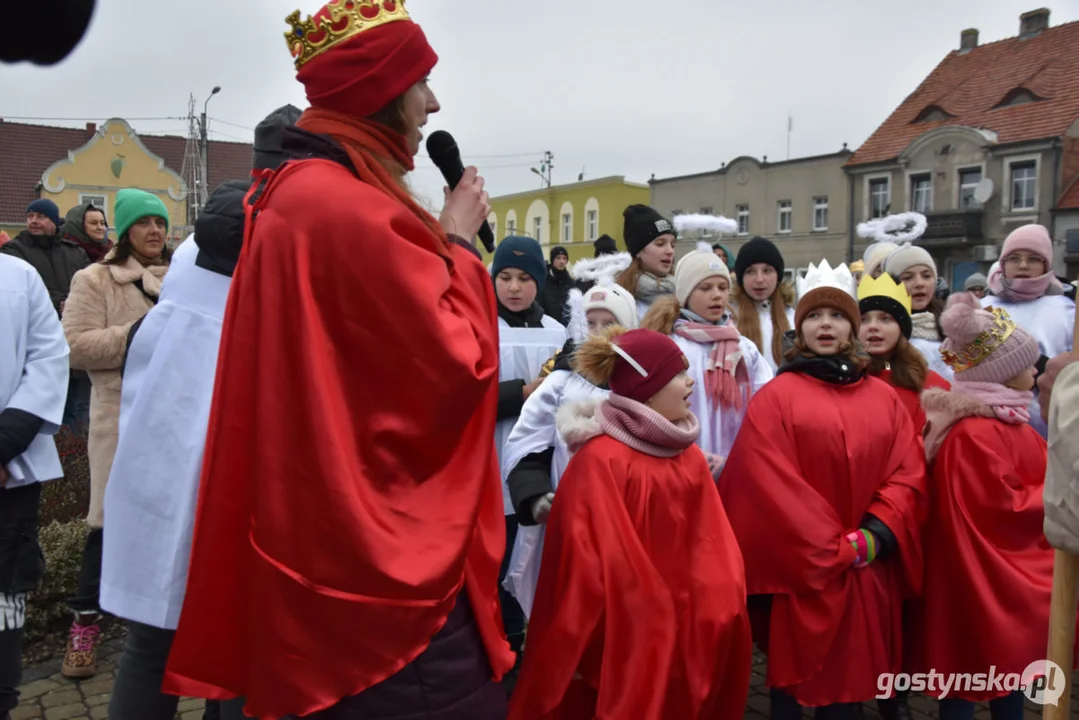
x=80, y=659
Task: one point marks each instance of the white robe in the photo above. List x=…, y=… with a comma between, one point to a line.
x=764, y=313
x=930, y=350
x=34, y=367
x=535, y=432
x=152, y=494
x=1051, y=321
x=719, y=426
x=522, y=353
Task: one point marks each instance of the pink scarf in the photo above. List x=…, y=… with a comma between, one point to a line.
x=642, y=428
x=1023, y=289
x=726, y=375
x=944, y=408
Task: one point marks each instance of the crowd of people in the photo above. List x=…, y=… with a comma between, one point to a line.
x=302, y=425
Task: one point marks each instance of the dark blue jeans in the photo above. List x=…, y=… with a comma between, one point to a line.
x=77, y=406
x=513, y=618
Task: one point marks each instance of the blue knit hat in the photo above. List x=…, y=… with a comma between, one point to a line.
x=522, y=253
x=133, y=205
x=45, y=207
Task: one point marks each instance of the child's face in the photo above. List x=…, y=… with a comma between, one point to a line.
x=600, y=319
x=516, y=289
x=672, y=402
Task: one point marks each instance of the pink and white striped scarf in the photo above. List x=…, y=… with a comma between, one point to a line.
x=726, y=377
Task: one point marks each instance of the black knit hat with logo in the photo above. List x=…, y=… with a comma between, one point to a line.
x=642, y=226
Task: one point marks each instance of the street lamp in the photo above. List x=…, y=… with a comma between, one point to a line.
x=204, y=144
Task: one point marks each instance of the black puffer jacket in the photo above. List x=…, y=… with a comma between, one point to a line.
x=219, y=230
x=556, y=294
x=56, y=261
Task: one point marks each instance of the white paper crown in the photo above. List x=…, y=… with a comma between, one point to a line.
x=713, y=223
x=824, y=275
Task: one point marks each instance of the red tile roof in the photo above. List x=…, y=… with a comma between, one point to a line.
x=1070, y=199
x=27, y=151
x=970, y=86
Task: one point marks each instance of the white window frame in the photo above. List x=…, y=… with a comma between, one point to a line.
x=817, y=207
x=782, y=210
x=869, y=180
x=742, y=212
x=93, y=197
x=537, y=228
x=959, y=185
x=511, y=227
x=1009, y=164
x=919, y=175
x=567, y=228
x=592, y=220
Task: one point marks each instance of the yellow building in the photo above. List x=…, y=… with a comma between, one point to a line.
x=573, y=216
x=73, y=166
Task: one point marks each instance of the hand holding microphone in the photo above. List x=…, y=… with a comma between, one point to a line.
x=466, y=209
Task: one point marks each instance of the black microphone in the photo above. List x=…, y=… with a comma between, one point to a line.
x=447, y=157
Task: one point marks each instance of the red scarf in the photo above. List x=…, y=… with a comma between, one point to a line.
x=726, y=375
x=369, y=145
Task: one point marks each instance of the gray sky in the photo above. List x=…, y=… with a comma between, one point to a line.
x=626, y=87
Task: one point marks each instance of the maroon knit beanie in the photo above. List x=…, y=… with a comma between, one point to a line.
x=653, y=361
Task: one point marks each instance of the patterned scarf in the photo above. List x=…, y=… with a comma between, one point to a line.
x=925, y=326
x=726, y=377
x=642, y=428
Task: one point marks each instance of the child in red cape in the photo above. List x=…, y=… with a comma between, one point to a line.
x=825, y=490
x=640, y=607
x=989, y=577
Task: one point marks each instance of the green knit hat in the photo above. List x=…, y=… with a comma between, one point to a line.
x=133, y=205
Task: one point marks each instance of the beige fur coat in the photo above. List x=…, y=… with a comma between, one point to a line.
x=103, y=305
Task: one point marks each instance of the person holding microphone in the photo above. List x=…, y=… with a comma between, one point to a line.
x=350, y=526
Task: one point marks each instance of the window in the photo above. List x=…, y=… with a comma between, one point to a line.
x=784, y=216
x=879, y=200
x=820, y=213
x=593, y=225
x=921, y=193
x=567, y=228
x=511, y=227
x=494, y=227
x=1024, y=185
x=743, y=219
x=968, y=181
x=98, y=201
x=706, y=210
x=537, y=226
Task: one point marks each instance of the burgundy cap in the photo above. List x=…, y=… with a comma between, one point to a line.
x=648, y=352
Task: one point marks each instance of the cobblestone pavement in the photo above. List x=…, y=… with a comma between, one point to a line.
x=47, y=695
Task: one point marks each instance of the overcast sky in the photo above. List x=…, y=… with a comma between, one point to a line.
x=611, y=87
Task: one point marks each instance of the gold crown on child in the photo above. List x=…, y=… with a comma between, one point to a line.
x=982, y=346
x=338, y=21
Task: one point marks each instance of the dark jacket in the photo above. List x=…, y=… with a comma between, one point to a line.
x=556, y=294
x=73, y=230
x=56, y=261
x=219, y=231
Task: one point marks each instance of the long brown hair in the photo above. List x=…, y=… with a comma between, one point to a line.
x=124, y=250
x=749, y=322
x=393, y=117
x=909, y=368
x=663, y=314
x=629, y=277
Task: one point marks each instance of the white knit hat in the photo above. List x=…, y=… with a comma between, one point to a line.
x=876, y=255
x=616, y=300
x=906, y=257
x=695, y=268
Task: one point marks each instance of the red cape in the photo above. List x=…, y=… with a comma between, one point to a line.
x=811, y=460
x=989, y=568
x=350, y=487
x=911, y=400
x=640, y=607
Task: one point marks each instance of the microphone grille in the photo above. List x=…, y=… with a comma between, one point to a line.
x=441, y=145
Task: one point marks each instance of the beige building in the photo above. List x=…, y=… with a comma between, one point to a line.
x=988, y=142
x=802, y=205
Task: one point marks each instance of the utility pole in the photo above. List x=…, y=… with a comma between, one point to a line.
x=790, y=129
x=545, y=168
x=204, y=147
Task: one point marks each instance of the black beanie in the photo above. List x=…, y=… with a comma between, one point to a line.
x=268, y=154
x=605, y=245
x=758, y=250
x=642, y=226
x=558, y=250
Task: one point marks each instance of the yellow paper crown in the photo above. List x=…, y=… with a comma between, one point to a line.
x=338, y=21
x=982, y=346
x=884, y=286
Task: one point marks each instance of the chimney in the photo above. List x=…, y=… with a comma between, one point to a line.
x=1033, y=22
x=968, y=40
x=91, y=129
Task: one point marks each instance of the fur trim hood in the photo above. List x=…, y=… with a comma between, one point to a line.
x=943, y=409
x=577, y=423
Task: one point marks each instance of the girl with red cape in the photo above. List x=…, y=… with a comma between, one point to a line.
x=825, y=492
x=990, y=574
x=349, y=528
x=640, y=607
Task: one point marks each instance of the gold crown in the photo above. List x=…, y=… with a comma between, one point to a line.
x=339, y=20
x=980, y=347
x=884, y=286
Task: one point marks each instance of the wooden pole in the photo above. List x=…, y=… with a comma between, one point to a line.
x=1062, y=616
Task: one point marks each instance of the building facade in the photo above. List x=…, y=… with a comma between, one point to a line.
x=73, y=166
x=573, y=216
x=988, y=142
x=802, y=205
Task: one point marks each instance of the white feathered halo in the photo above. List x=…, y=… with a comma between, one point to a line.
x=902, y=228
x=712, y=223
x=602, y=271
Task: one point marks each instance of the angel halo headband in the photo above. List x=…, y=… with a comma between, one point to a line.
x=902, y=228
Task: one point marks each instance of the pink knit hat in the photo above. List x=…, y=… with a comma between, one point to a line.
x=1032, y=238
x=984, y=345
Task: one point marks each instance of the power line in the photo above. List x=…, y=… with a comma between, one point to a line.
x=232, y=124
x=97, y=119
